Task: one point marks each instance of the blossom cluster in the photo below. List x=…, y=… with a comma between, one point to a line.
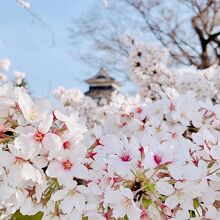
x=24, y=4
x=154, y=160
x=74, y=100
x=19, y=77
x=37, y=145
x=148, y=67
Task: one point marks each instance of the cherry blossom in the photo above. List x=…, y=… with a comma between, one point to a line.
x=5, y=64
x=143, y=159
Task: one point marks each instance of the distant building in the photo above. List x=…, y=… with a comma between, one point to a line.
x=101, y=86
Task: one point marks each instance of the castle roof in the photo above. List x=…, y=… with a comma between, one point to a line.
x=102, y=78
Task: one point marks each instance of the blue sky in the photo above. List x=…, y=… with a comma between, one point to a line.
x=28, y=44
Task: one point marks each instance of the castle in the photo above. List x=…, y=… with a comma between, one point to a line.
x=101, y=86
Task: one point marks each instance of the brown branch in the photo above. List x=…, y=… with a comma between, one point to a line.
x=212, y=37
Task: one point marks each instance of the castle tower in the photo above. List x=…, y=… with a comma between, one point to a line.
x=101, y=86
